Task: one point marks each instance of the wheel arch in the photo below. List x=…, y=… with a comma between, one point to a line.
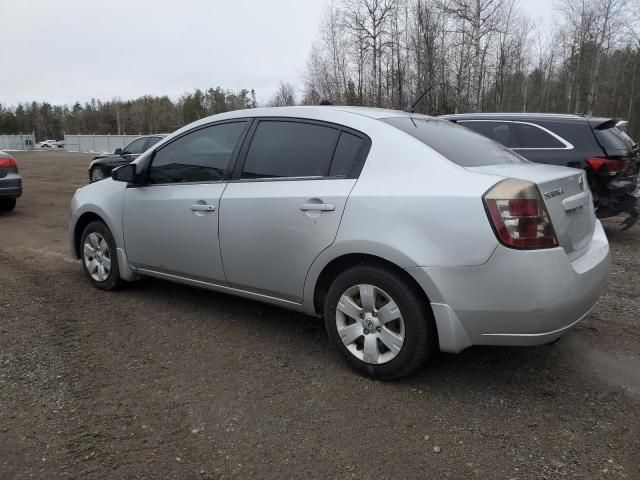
x=82, y=222
x=341, y=263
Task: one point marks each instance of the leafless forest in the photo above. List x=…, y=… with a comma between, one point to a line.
x=443, y=55
x=478, y=55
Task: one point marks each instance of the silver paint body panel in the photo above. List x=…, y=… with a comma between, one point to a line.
x=409, y=206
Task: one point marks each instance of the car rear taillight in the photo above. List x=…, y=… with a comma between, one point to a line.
x=608, y=166
x=519, y=216
x=8, y=162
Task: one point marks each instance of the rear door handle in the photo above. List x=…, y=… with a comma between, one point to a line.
x=317, y=207
x=198, y=207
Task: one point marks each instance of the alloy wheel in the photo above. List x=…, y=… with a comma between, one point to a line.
x=370, y=324
x=97, y=256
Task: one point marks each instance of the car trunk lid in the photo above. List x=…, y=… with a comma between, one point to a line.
x=567, y=198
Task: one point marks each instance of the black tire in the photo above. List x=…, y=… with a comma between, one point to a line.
x=420, y=334
x=7, y=204
x=97, y=174
x=112, y=280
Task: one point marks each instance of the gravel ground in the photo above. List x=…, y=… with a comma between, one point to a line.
x=167, y=381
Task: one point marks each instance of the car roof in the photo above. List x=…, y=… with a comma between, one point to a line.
x=312, y=110
x=343, y=115
x=566, y=117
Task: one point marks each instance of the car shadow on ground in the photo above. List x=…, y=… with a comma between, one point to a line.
x=614, y=229
x=503, y=369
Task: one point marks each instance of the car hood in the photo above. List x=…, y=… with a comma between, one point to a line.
x=107, y=155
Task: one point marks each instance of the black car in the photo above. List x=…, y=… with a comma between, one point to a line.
x=600, y=146
x=101, y=166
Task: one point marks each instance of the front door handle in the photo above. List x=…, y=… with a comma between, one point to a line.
x=317, y=207
x=198, y=207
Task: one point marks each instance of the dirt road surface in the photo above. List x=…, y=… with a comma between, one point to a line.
x=170, y=382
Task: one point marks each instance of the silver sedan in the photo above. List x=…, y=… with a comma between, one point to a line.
x=406, y=233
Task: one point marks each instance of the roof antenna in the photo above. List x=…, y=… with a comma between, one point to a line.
x=410, y=108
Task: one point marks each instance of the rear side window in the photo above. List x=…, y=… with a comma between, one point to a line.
x=200, y=156
x=458, y=144
x=346, y=155
x=531, y=136
x=290, y=149
x=500, y=132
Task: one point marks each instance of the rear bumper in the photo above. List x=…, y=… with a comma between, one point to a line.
x=518, y=297
x=621, y=195
x=11, y=186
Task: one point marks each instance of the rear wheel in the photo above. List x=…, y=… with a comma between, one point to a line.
x=99, y=257
x=379, y=322
x=97, y=173
x=7, y=204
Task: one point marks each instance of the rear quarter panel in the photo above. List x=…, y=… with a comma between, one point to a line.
x=412, y=207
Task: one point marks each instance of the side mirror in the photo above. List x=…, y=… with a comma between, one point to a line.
x=125, y=173
x=118, y=151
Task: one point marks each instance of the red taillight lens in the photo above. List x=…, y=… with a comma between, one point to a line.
x=608, y=166
x=518, y=215
x=8, y=162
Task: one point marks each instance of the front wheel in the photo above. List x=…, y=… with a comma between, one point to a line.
x=7, y=204
x=99, y=257
x=380, y=322
x=97, y=173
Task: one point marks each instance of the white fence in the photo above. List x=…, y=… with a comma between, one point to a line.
x=17, y=142
x=96, y=143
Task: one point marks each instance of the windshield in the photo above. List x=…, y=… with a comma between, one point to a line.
x=458, y=144
x=614, y=138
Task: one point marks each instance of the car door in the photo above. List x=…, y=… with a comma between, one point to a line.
x=171, y=221
x=285, y=203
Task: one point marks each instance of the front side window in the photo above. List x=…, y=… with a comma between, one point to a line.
x=136, y=147
x=290, y=149
x=501, y=132
x=200, y=156
x=153, y=141
x=531, y=136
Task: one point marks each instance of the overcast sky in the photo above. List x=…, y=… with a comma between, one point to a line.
x=66, y=50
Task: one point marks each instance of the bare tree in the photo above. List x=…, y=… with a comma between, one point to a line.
x=368, y=20
x=481, y=18
x=284, y=97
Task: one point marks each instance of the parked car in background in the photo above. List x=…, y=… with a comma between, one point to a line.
x=48, y=144
x=600, y=146
x=405, y=232
x=10, y=182
x=102, y=165
x=60, y=143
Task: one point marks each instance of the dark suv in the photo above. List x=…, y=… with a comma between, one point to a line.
x=600, y=146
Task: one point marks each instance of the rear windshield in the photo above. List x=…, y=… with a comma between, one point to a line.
x=614, y=138
x=456, y=143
